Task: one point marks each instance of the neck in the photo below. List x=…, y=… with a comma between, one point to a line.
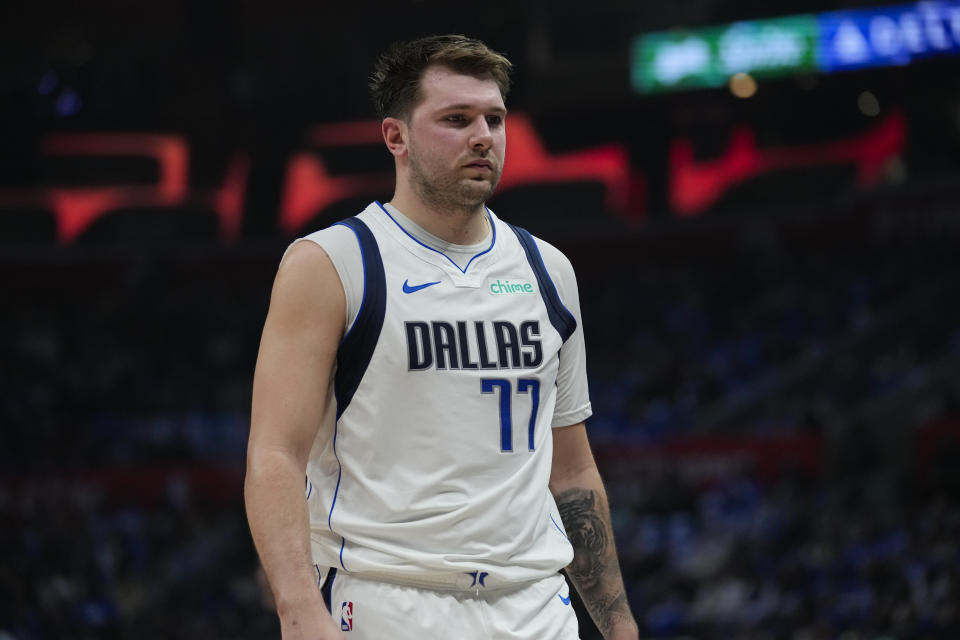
x=458, y=225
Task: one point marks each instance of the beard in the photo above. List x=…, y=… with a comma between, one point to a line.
x=444, y=190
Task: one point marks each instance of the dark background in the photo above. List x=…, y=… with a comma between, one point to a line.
x=774, y=378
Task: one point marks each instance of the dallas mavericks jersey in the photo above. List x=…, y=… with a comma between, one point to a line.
x=447, y=383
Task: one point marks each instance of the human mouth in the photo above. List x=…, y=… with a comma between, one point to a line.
x=480, y=164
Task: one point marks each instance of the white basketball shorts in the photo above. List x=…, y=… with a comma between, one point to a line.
x=369, y=609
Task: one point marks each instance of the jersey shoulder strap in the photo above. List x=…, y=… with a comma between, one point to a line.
x=560, y=317
x=356, y=348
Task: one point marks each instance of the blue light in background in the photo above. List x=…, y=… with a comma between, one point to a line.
x=888, y=36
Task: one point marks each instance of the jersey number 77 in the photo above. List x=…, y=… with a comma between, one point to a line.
x=503, y=387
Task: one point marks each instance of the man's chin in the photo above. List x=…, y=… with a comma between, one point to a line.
x=478, y=190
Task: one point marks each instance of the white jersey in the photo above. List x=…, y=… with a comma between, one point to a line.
x=449, y=378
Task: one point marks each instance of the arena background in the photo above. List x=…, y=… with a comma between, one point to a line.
x=770, y=292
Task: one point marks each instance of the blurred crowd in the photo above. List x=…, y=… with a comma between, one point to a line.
x=82, y=565
x=127, y=388
x=740, y=559
x=778, y=330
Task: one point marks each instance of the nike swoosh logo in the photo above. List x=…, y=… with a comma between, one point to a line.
x=564, y=600
x=410, y=288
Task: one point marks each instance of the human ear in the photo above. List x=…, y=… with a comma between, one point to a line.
x=394, y=132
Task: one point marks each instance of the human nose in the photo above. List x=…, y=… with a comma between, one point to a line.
x=481, y=137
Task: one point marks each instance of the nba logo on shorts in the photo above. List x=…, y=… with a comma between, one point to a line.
x=346, y=616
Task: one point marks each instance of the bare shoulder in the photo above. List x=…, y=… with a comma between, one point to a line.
x=308, y=270
x=307, y=290
x=304, y=259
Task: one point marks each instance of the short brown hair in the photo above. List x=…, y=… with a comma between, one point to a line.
x=395, y=81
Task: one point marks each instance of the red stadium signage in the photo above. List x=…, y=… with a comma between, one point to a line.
x=75, y=208
x=310, y=187
x=696, y=186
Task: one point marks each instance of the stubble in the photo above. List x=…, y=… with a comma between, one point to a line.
x=449, y=191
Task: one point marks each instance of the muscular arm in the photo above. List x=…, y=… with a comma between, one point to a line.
x=296, y=358
x=595, y=572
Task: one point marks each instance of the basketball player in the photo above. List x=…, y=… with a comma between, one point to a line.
x=422, y=366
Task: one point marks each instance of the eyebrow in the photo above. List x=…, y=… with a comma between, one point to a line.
x=468, y=107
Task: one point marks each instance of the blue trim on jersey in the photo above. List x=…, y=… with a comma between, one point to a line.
x=560, y=317
x=336, y=490
x=559, y=528
x=493, y=241
x=343, y=541
x=356, y=348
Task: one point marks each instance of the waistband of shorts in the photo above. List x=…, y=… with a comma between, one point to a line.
x=466, y=581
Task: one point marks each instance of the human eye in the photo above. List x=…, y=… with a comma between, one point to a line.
x=455, y=118
x=495, y=121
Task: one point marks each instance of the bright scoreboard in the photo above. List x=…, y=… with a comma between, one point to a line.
x=824, y=42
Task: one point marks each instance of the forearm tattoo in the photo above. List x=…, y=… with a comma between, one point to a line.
x=594, y=569
x=587, y=533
